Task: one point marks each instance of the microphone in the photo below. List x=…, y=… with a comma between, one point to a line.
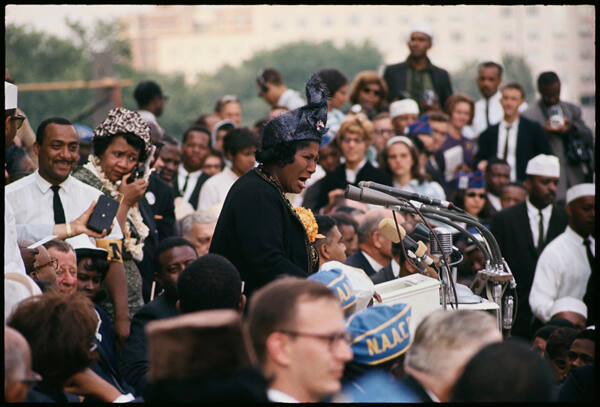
x=445, y=237
x=370, y=196
x=404, y=194
x=387, y=227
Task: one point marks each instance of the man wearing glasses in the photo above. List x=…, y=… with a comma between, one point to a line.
x=297, y=329
x=44, y=271
x=417, y=76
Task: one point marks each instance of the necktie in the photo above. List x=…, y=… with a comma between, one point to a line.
x=506, y=142
x=59, y=212
x=541, y=233
x=487, y=112
x=187, y=177
x=588, y=250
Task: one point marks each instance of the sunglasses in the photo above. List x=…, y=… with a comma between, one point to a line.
x=18, y=119
x=474, y=194
x=376, y=92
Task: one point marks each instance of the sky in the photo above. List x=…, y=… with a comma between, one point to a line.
x=50, y=18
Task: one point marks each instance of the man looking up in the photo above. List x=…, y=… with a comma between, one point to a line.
x=417, y=74
x=190, y=178
x=272, y=89
x=66, y=269
x=52, y=202
x=297, y=328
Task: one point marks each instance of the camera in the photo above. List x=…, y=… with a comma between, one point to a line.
x=556, y=117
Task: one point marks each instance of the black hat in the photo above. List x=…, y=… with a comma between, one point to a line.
x=305, y=123
x=146, y=91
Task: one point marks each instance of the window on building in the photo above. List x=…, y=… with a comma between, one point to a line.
x=532, y=35
x=456, y=36
x=560, y=55
x=587, y=78
x=586, y=54
x=585, y=30
x=588, y=100
x=507, y=35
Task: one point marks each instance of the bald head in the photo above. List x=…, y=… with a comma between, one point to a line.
x=17, y=365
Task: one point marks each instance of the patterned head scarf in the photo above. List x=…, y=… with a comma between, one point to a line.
x=305, y=123
x=120, y=120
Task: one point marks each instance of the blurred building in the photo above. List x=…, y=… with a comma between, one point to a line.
x=200, y=39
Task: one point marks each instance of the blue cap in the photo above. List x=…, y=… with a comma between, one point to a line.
x=380, y=333
x=469, y=180
x=338, y=282
x=377, y=386
x=421, y=126
x=84, y=133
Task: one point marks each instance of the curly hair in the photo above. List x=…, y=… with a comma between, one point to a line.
x=358, y=124
x=282, y=153
x=60, y=331
x=366, y=78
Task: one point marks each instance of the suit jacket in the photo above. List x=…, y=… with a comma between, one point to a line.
x=194, y=198
x=134, y=359
x=383, y=275
x=337, y=179
x=161, y=202
x=511, y=229
x=146, y=266
x=395, y=77
x=531, y=141
x=359, y=260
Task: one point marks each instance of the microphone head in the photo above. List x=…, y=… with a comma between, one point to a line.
x=421, y=232
x=421, y=249
x=353, y=193
x=387, y=227
x=445, y=237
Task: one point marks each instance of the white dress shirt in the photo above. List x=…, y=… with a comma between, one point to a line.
x=395, y=268
x=511, y=155
x=215, y=189
x=533, y=214
x=351, y=174
x=495, y=113
x=13, y=262
x=291, y=99
x=149, y=117
x=376, y=266
x=191, y=184
x=276, y=396
x=562, y=270
x=32, y=202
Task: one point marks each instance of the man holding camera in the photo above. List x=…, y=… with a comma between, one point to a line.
x=571, y=140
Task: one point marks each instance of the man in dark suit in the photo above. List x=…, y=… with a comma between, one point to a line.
x=375, y=251
x=524, y=229
x=417, y=74
x=515, y=139
x=190, y=178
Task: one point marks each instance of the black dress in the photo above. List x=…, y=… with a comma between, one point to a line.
x=261, y=234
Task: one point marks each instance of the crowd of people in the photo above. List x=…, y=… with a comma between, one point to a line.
x=227, y=264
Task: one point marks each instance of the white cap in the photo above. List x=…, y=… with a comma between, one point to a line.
x=17, y=287
x=544, y=165
x=577, y=191
x=404, y=106
x=10, y=96
x=569, y=304
x=422, y=28
x=362, y=286
x=399, y=139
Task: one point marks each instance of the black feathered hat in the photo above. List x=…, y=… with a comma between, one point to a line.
x=305, y=123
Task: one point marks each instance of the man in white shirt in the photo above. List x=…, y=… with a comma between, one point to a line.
x=488, y=110
x=272, y=89
x=565, y=265
x=190, y=178
x=51, y=202
x=298, y=331
x=150, y=101
x=239, y=146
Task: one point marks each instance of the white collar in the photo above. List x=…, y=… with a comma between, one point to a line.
x=184, y=172
x=533, y=210
x=513, y=125
x=376, y=266
x=277, y=396
x=576, y=236
x=360, y=165
x=495, y=96
x=395, y=268
x=44, y=185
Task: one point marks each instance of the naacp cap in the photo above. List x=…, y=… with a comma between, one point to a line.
x=421, y=126
x=304, y=123
x=381, y=333
x=338, y=282
x=469, y=180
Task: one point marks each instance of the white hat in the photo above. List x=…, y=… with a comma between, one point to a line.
x=422, y=28
x=10, y=96
x=17, y=287
x=362, y=286
x=399, y=139
x=544, y=165
x=569, y=304
x=577, y=191
x=404, y=106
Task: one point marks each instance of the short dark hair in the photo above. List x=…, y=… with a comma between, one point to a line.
x=270, y=75
x=325, y=223
x=343, y=219
x=437, y=116
x=494, y=161
x=145, y=91
x=166, y=244
x=59, y=245
x=60, y=330
x=491, y=64
x=97, y=263
x=519, y=375
x=41, y=130
x=282, y=153
x=334, y=79
x=547, y=78
x=545, y=331
x=239, y=138
x=589, y=334
x=100, y=144
x=273, y=307
x=560, y=341
x=195, y=127
x=515, y=184
x=168, y=139
x=515, y=85
x=210, y=282
x=14, y=160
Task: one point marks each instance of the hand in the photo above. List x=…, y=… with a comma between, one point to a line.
x=482, y=164
x=121, y=327
x=88, y=383
x=562, y=129
x=464, y=168
x=133, y=192
x=79, y=225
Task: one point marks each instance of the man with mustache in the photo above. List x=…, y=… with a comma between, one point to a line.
x=52, y=202
x=524, y=229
